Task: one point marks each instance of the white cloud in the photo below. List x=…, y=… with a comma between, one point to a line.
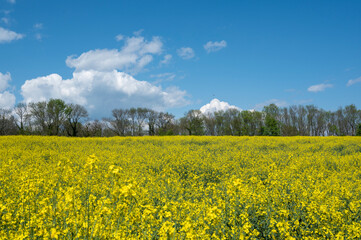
x=12, y=1
x=215, y=46
x=185, y=52
x=7, y=99
x=119, y=37
x=166, y=59
x=319, y=87
x=8, y=36
x=216, y=105
x=163, y=77
x=100, y=82
x=133, y=57
x=4, y=81
x=353, y=81
x=101, y=91
x=277, y=102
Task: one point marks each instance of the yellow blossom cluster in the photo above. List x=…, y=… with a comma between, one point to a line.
x=180, y=188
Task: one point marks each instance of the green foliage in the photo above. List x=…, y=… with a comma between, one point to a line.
x=271, y=128
x=358, y=131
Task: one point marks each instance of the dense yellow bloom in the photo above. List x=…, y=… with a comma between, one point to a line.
x=180, y=188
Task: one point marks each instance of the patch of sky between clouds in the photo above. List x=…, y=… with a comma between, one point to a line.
x=277, y=102
x=38, y=26
x=163, y=77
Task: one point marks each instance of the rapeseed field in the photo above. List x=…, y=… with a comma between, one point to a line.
x=180, y=188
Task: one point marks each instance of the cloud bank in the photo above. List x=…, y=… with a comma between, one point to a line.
x=102, y=82
x=101, y=92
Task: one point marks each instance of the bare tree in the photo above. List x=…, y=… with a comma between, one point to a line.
x=40, y=117
x=7, y=123
x=120, y=123
x=75, y=114
x=192, y=122
x=164, y=124
x=23, y=117
x=92, y=129
x=142, y=114
x=301, y=120
x=351, y=119
x=151, y=119
x=209, y=123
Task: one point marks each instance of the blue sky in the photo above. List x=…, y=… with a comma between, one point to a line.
x=179, y=55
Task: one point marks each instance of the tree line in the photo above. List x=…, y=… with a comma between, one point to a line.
x=57, y=118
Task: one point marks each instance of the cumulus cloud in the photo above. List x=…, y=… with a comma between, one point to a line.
x=353, y=81
x=216, y=105
x=277, y=102
x=132, y=57
x=214, y=46
x=8, y=36
x=166, y=59
x=102, y=91
x=102, y=82
x=7, y=99
x=319, y=87
x=186, y=52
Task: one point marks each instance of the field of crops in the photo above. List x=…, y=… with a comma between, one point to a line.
x=180, y=188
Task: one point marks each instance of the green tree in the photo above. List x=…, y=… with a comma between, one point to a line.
x=358, y=132
x=272, y=127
